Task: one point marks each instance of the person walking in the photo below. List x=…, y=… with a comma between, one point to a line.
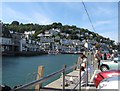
x=112, y=56
x=105, y=56
x=82, y=60
x=98, y=57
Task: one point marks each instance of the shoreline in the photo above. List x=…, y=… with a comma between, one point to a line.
x=24, y=53
x=32, y=53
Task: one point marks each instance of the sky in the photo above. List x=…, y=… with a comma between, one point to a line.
x=104, y=15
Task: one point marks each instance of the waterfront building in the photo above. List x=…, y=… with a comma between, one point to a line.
x=23, y=43
x=47, y=33
x=54, y=31
x=16, y=37
x=28, y=34
x=46, y=40
x=72, y=46
x=6, y=40
x=29, y=45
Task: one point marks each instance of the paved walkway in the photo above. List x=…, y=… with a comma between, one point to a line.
x=71, y=80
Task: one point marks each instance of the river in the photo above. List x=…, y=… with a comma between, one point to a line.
x=21, y=70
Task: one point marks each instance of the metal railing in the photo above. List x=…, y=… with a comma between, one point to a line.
x=46, y=78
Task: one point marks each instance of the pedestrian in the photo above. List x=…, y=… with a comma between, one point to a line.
x=102, y=56
x=108, y=56
x=82, y=59
x=98, y=57
x=112, y=56
x=105, y=56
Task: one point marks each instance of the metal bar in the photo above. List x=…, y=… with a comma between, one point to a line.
x=87, y=72
x=80, y=79
x=79, y=82
x=87, y=67
x=69, y=68
x=76, y=86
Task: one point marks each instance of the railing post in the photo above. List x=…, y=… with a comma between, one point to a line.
x=39, y=75
x=64, y=77
x=92, y=63
x=87, y=68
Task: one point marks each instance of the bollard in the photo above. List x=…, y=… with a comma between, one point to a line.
x=39, y=75
x=64, y=77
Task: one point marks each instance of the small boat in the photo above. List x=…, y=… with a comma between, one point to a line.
x=53, y=52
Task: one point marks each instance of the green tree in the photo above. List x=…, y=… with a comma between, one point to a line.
x=15, y=23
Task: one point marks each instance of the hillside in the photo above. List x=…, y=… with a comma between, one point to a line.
x=73, y=32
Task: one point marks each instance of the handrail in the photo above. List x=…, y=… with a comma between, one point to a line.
x=33, y=83
x=80, y=78
x=86, y=73
x=44, y=79
x=79, y=82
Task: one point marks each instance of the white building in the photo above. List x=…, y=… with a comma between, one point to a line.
x=23, y=45
x=28, y=34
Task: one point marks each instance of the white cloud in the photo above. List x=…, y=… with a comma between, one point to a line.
x=33, y=18
x=96, y=25
x=107, y=11
x=14, y=15
x=99, y=23
x=59, y=0
x=113, y=35
x=41, y=19
x=101, y=0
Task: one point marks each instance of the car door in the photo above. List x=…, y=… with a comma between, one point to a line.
x=115, y=63
x=118, y=63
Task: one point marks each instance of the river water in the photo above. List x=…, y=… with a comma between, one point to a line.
x=21, y=70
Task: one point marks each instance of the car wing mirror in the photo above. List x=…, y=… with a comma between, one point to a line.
x=115, y=61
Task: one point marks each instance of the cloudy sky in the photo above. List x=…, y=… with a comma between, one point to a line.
x=104, y=15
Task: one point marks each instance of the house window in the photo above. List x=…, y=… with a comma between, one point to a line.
x=3, y=49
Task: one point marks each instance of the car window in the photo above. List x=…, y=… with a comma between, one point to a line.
x=117, y=59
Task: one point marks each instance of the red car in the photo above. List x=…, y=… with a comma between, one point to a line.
x=106, y=74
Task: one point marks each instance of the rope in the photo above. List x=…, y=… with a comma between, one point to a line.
x=88, y=16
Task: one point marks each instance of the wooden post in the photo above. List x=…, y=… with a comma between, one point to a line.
x=39, y=75
x=64, y=77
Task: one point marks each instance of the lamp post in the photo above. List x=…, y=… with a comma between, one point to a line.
x=76, y=47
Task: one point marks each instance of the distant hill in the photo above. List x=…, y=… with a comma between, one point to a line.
x=73, y=31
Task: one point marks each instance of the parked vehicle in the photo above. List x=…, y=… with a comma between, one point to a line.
x=109, y=83
x=110, y=64
x=106, y=74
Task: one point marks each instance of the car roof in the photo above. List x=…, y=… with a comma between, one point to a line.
x=110, y=71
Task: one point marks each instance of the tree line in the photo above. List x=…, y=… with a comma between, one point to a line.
x=73, y=31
